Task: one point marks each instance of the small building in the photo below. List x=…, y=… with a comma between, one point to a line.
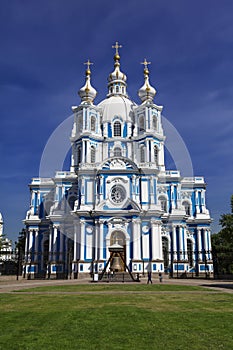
x=7, y=254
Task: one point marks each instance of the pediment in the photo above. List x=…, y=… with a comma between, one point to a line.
x=118, y=163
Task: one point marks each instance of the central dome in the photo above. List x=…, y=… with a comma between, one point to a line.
x=117, y=105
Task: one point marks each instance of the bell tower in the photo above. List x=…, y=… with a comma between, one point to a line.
x=86, y=132
x=148, y=132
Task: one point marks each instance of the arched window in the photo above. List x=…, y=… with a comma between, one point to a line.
x=142, y=154
x=117, y=88
x=93, y=123
x=117, y=152
x=141, y=123
x=187, y=208
x=163, y=203
x=155, y=122
x=156, y=155
x=117, y=129
x=92, y=154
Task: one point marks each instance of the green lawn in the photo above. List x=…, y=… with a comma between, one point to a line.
x=143, y=317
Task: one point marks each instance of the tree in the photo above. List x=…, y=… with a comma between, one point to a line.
x=222, y=243
x=225, y=237
x=20, y=244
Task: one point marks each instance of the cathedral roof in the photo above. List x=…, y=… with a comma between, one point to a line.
x=117, y=106
x=117, y=103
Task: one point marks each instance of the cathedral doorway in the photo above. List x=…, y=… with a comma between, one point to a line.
x=119, y=238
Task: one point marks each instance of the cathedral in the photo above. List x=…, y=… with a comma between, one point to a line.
x=117, y=192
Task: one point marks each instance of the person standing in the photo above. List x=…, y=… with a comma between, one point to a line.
x=149, y=277
x=160, y=277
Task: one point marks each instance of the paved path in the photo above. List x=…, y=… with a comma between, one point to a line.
x=11, y=285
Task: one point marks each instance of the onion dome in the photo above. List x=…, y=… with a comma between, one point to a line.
x=146, y=92
x=117, y=79
x=87, y=93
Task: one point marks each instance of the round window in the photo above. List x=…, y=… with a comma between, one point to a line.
x=118, y=193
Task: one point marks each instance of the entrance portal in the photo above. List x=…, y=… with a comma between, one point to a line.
x=119, y=238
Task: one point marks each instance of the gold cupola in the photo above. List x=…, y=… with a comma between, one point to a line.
x=117, y=80
x=87, y=93
x=146, y=92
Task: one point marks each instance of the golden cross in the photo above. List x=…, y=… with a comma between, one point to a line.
x=116, y=46
x=145, y=63
x=88, y=63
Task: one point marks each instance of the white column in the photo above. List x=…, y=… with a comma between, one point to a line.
x=199, y=244
x=151, y=190
x=82, y=191
x=181, y=243
x=147, y=151
x=206, y=243
x=127, y=252
x=172, y=197
x=101, y=189
x=134, y=187
x=101, y=240
x=88, y=153
x=96, y=235
x=51, y=243
x=75, y=240
x=196, y=202
x=55, y=227
x=152, y=152
x=36, y=244
x=161, y=154
x=202, y=204
x=30, y=244
x=160, y=241
x=82, y=152
x=156, y=241
x=185, y=244
x=209, y=244
x=82, y=240
x=137, y=191
x=174, y=243
x=26, y=242
x=136, y=239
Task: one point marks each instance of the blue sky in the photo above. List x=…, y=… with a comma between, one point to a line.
x=44, y=44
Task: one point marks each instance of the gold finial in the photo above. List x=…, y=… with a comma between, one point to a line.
x=117, y=46
x=146, y=63
x=88, y=63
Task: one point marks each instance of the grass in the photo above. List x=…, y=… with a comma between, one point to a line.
x=92, y=287
x=178, y=317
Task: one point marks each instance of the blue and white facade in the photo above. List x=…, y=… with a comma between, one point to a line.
x=117, y=190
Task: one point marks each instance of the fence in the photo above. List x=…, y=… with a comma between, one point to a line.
x=217, y=264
